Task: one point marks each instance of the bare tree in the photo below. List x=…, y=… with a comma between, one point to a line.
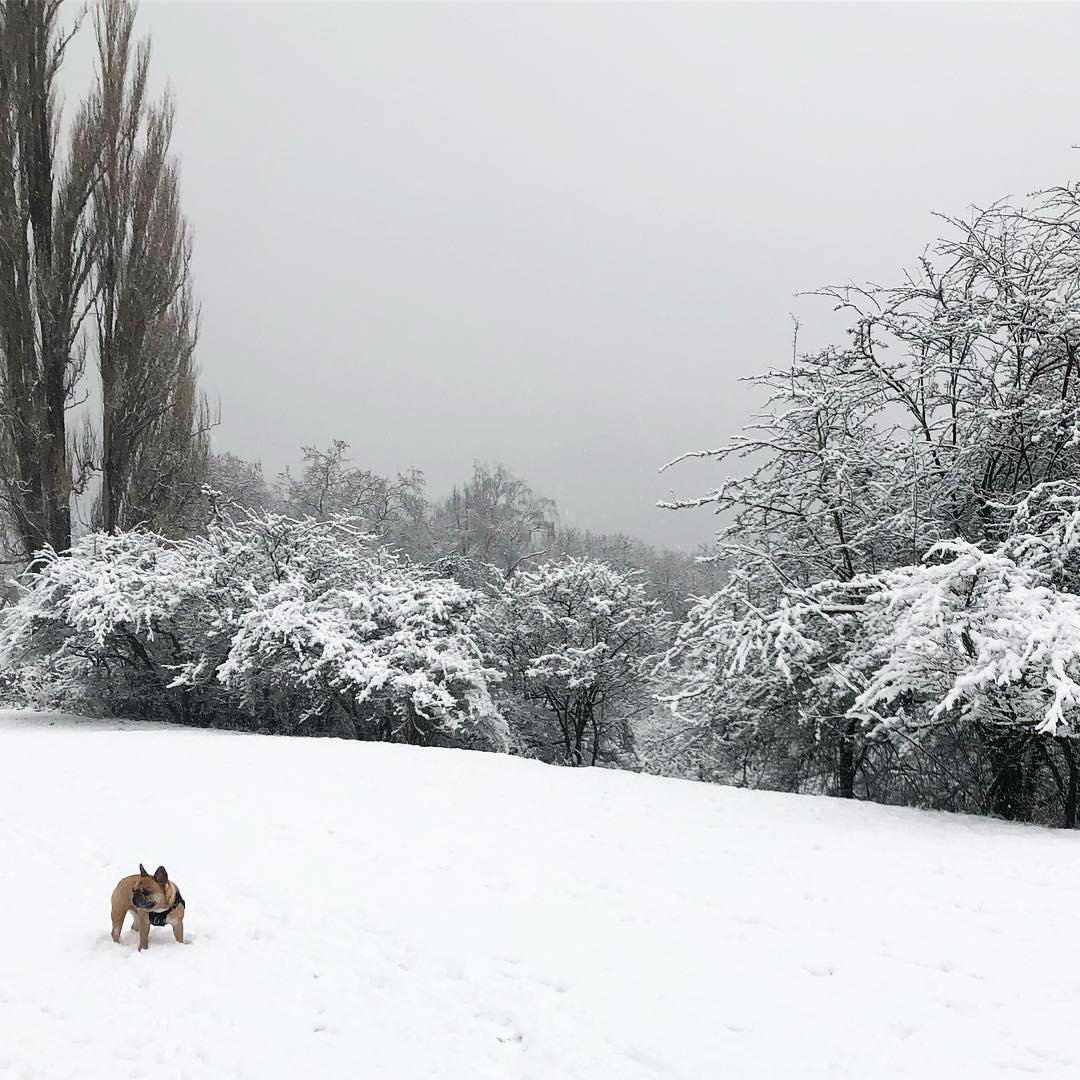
x=91, y=231
x=46, y=252
x=154, y=421
x=395, y=510
x=496, y=518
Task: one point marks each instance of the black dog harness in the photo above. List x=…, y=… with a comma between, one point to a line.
x=157, y=918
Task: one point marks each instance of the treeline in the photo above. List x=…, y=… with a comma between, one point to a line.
x=335, y=601
x=493, y=523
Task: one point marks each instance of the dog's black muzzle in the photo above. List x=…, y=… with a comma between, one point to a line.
x=140, y=898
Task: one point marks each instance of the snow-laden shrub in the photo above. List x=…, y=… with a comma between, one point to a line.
x=269, y=623
x=362, y=638
x=977, y=638
x=110, y=624
x=989, y=631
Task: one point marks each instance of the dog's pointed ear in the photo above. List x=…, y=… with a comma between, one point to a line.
x=161, y=876
x=142, y=870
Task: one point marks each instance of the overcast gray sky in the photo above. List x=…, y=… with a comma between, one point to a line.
x=557, y=235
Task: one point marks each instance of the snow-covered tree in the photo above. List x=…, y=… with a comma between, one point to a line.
x=989, y=635
x=885, y=508
x=825, y=501
x=672, y=577
x=578, y=642
x=980, y=636
x=234, y=485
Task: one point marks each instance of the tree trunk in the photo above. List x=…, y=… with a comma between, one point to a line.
x=37, y=154
x=1071, y=792
x=845, y=771
x=580, y=720
x=1005, y=797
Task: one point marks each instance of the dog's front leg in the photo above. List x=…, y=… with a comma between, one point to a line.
x=119, y=910
x=178, y=928
x=143, y=922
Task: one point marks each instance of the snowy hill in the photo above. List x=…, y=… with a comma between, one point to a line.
x=361, y=910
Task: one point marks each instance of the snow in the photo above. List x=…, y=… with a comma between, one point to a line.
x=359, y=909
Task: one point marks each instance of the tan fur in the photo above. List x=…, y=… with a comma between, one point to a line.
x=160, y=895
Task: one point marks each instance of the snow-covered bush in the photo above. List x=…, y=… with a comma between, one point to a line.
x=361, y=638
x=578, y=642
x=111, y=623
x=986, y=637
x=268, y=623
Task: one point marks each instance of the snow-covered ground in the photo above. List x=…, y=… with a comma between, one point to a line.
x=360, y=910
